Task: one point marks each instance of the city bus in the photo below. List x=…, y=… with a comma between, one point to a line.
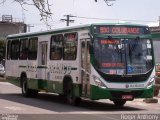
x=156, y=44
x=95, y=61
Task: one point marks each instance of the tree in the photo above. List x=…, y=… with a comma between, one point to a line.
x=2, y=49
x=108, y=2
x=44, y=7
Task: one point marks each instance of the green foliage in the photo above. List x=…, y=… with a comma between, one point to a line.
x=2, y=48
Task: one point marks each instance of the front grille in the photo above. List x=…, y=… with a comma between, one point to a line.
x=119, y=94
x=125, y=78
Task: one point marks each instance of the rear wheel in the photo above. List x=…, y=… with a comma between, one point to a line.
x=26, y=91
x=119, y=102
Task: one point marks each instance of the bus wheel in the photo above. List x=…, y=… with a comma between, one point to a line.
x=26, y=91
x=119, y=102
x=68, y=92
x=156, y=92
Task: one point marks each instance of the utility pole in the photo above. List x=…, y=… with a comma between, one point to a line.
x=29, y=27
x=68, y=19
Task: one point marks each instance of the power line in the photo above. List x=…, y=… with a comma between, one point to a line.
x=83, y=17
x=113, y=19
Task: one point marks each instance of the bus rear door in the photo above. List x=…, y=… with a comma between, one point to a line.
x=42, y=65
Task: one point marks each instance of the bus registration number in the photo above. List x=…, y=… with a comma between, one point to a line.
x=127, y=97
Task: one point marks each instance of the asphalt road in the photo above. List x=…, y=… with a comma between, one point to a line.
x=13, y=106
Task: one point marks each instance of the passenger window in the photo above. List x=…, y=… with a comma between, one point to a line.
x=23, y=49
x=56, y=47
x=70, y=46
x=15, y=50
x=32, y=50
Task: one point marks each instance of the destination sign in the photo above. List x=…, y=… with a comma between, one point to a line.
x=107, y=41
x=132, y=30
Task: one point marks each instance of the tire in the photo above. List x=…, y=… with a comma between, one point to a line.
x=69, y=94
x=156, y=92
x=26, y=91
x=77, y=101
x=119, y=103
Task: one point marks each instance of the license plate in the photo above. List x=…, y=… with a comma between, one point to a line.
x=127, y=97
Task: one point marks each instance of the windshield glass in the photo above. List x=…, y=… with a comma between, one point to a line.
x=123, y=56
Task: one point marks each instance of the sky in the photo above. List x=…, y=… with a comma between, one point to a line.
x=134, y=11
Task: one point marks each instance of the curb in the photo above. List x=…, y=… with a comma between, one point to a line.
x=150, y=100
x=2, y=79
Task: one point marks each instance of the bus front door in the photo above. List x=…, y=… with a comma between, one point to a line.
x=42, y=65
x=85, y=68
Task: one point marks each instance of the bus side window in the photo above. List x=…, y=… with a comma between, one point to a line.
x=70, y=46
x=33, y=45
x=15, y=49
x=23, y=49
x=56, y=47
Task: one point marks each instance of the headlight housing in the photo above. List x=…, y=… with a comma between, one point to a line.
x=151, y=82
x=98, y=82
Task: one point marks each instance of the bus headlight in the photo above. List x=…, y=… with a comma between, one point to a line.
x=151, y=82
x=98, y=82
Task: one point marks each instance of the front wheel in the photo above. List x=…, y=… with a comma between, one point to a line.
x=26, y=91
x=69, y=94
x=119, y=102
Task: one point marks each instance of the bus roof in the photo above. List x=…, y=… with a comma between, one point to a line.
x=48, y=31
x=65, y=29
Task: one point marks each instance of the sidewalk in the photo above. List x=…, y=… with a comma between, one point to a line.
x=154, y=100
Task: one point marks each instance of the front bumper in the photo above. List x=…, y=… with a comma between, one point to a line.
x=101, y=93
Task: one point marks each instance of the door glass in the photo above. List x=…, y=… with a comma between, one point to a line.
x=83, y=68
x=44, y=54
x=82, y=53
x=88, y=68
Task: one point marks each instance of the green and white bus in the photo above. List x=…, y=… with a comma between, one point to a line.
x=156, y=46
x=96, y=61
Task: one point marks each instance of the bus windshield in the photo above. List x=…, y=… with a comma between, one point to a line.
x=123, y=56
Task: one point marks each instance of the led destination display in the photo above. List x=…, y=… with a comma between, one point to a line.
x=108, y=29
